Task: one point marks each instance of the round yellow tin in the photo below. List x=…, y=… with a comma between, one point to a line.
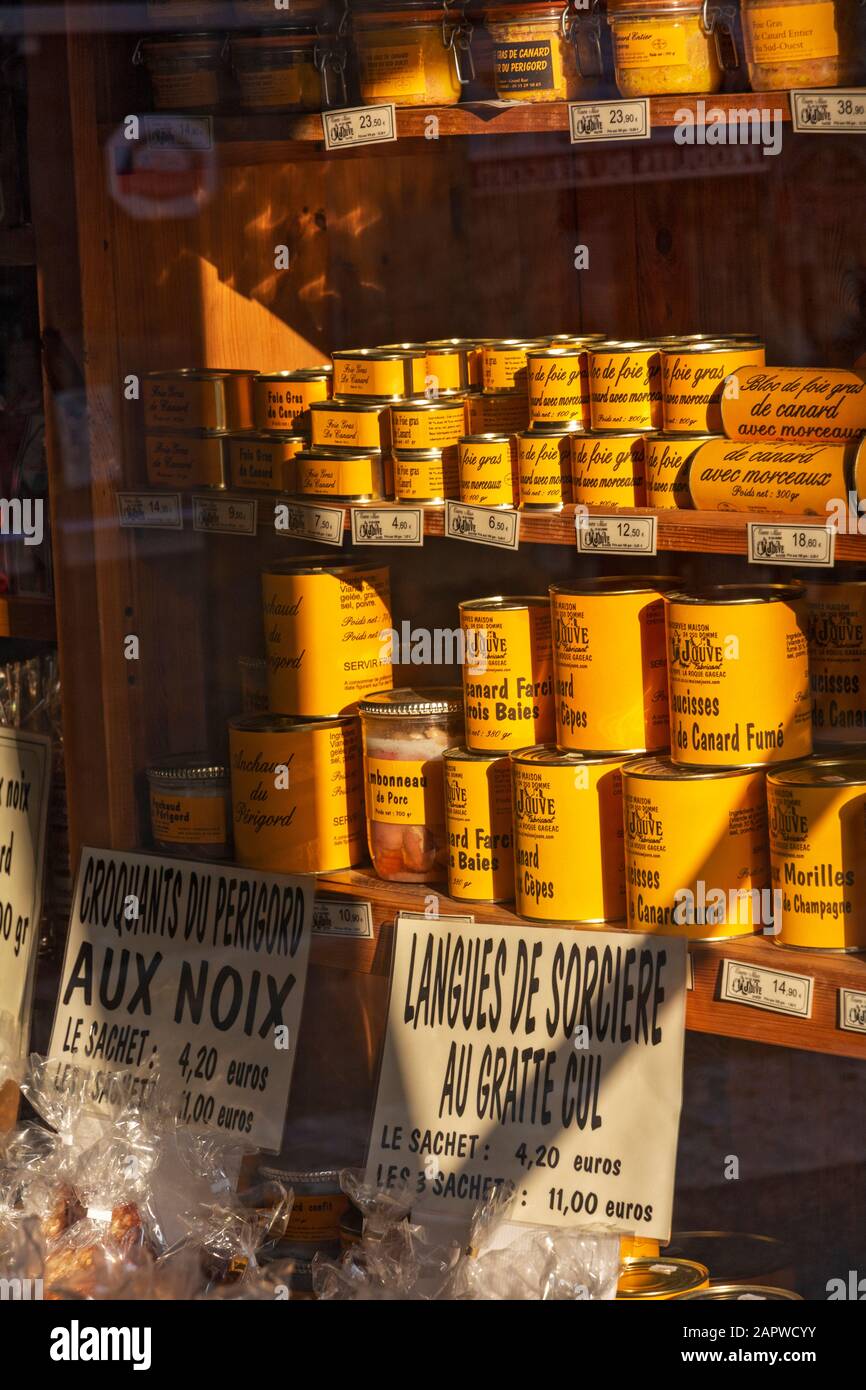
x=507, y=672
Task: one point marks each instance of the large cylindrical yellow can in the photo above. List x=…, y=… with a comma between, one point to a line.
x=563, y=801
x=798, y=405
x=428, y=475
x=738, y=675
x=503, y=363
x=625, y=386
x=728, y=475
x=507, y=672
x=608, y=469
x=817, y=814
x=479, y=823
x=453, y=364
x=496, y=412
x=282, y=400
x=297, y=793
x=836, y=614
x=696, y=854
x=659, y=1278
x=668, y=460
x=544, y=468
x=488, y=470
x=350, y=424
x=387, y=374
x=326, y=634
x=433, y=424
x=610, y=665
x=558, y=381
x=693, y=381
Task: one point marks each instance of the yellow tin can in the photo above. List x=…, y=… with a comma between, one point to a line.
x=638, y=1248
x=608, y=469
x=480, y=828
x=798, y=479
x=394, y=374
x=507, y=672
x=544, y=468
x=190, y=807
x=496, y=412
x=350, y=602
x=836, y=617
x=503, y=363
x=428, y=424
x=344, y=475
x=488, y=470
x=264, y=461
x=610, y=664
x=563, y=801
x=282, y=400
x=452, y=365
x=738, y=673
x=625, y=386
x=668, y=459
x=350, y=424
x=693, y=380
x=696, y=853
x=797, y=405
x=198, y=399
x=425, y=475
x=186, y=460
x=817, y=814
x=297, y=795
x=558, y=385
x=658, y=1278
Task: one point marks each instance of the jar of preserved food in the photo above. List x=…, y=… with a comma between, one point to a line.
x=800, y=43
x=412, y=52
x=406, y=733
x=190, y=806
x=670, y=46
x=186, y=71
x=276, y=70
x=534, y=52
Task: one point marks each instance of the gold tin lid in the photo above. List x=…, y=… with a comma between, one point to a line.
x=284, y=723
x=460, y=754
x=499, y=394
x=705, y=345
x=331, y=454
x=740, y=593
x=556, y=350
x=615, y=434
x=660, y=768
x=509, y=344
x=455, y=344
x=313, y=564
x=503, y=603
x=618, y=584
x=200, y=373
x=548, y=755
x=264, y=436
x=453, y=401
x=849, y=771
x=556, y=429
x=299, y=373
x=660, y=1278
x=484, y=439
x=409, y=703
x=418, y=455
x=569, y=339
x=612, y=346
x=745, y=1292
x=673, y=435
x=419, y=348
x=351, y=405
x=186, y=767
x=393, y=354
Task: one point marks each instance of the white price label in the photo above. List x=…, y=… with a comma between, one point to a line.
x=342, y=917
x=235, y=516
x=852, y=1010
x=387, y=526
x=812, y=547
x=830, y=112
x=486, y=525
x=359, y=125
x=158, y=511
x=310, y=522
x=177, y=132
x=776, y=990
x=609, y=120
x=616, y=535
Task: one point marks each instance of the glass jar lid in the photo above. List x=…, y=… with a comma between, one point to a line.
x=408, y=703
x=188, y=767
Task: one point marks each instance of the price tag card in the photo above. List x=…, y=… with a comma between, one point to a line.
x=609, y=120
x=486, y=525
x=236, y=516
x=813, y=547
x=359, y=125
x=548, y=1057
x=776, y=990
x=176, y=132
x=616, y=535
x=852, y=1010
x=158, y=511
x=192, y=971
x=342, y=917
x=25, y=782
x=310, y=522
x=831, y=112
x=387, y=526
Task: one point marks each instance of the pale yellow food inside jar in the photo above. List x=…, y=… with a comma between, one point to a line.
x=655, y=56
x=800, y=43
x=543, y=37
x=408, y=65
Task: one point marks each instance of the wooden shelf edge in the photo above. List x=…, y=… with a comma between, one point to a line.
x=705, y=1012
x=23, y=616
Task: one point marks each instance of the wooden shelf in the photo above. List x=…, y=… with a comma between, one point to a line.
x=28, y=617
x=17, y=246
x=706, y=1013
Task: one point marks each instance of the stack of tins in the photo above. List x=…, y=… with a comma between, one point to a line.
x=296, y=772
x=207, y=428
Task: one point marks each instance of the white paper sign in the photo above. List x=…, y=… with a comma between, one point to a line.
x=552, y=1058
x=158, y=511
x=609, y=120
x=310, y=521
x=780, y=991
x=359, y=125
x=813, y=547
x=191, y=971
x=831, y=111
x=616, y=535
x=235, y=516
x=388, y=525
x=486, y=525
x=25, y=782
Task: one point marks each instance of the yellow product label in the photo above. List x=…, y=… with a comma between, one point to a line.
x=507, y=677
x=817, y=834
x=427, y=429
x=284, y=405
x=544, y=470
x=445, y=370
x=651, y=44
x=504, y=369
x=693, y=383
x=836, y=616
x=608, y=472
x=488, y=472
x=316, y=1218
x=800, y=479
x=739, y=683
x=558, y=812
x=625, y=390
x=559, y=388
x=389, y=69
x=187, y=820
x=297, y=798
x=505, y=413
x=404, y=793
x=424, y=480
x=368, y=376
x=184, y=405
x=667, y=471
x=185, y=90
x=185, y=461
x=337, y=477
x=312, y=677
x=339, y=428
x=610, y=667
x=480, y=832
x=797, y=405
x=789, y=33
x=696, y=855
x=264, y=464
